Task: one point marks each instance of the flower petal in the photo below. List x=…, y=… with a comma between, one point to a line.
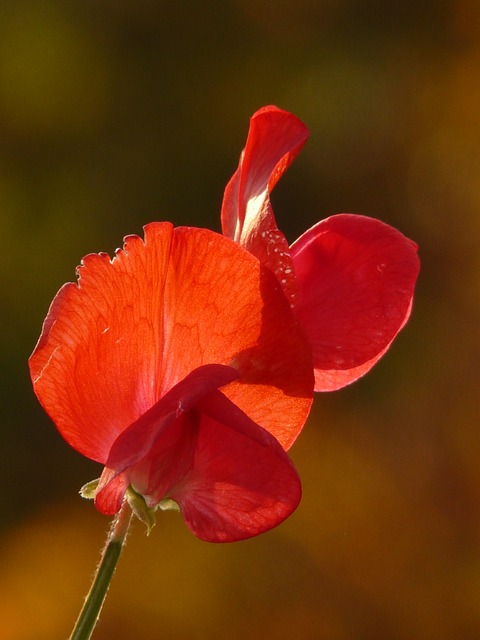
x=356, y=277
x=163, y=466
x=274, y=139
x=241, y=483
x=110, y=492
x=94, y=367
x=136, y=441
x=133, y=327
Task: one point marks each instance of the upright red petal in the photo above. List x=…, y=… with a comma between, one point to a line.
x=133, y=327
x=356, y=277
x=241, y=482
x=274, y=140
x=95, y=368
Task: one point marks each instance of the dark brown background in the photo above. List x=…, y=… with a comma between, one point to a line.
x=114, y=113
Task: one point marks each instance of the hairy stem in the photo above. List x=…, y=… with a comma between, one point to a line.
x=96, y=596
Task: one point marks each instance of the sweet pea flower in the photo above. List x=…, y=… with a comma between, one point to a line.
x=186, y=364
x=349, y=278
x=180, y=367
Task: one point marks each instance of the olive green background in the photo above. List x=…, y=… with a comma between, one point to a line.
x=114, y=113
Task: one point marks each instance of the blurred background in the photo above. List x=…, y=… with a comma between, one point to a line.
x=114, y=113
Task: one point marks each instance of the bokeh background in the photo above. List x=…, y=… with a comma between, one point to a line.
x=114, y=113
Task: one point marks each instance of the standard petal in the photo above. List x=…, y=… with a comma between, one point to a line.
x=230, y=310
x=274, y=140
x=241, y=482
x=95, y=367
x=356, y=277
x=133, y=327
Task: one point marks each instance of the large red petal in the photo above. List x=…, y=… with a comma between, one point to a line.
x=356, y=277
x=136, y=325
x=230, y=310
x=241, y=482
x=274, y=140
x=96, y=366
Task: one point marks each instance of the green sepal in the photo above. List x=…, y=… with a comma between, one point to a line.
x=167, y=504
x=88, y=490
x=139, y=507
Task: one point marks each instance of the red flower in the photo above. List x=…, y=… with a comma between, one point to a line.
x=349, y=279
x=184, y=364
x=162, y=363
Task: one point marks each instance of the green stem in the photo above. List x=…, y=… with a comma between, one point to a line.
x=96, y=596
